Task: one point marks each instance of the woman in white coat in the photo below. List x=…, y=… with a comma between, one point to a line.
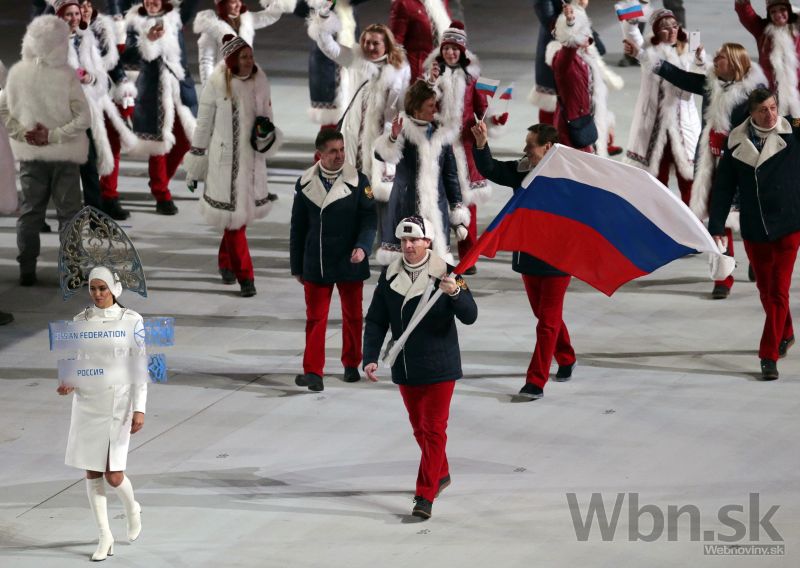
x=103, y=420
x=234, y=128
x=666, y=124
x=379, y=77
x=231, y=17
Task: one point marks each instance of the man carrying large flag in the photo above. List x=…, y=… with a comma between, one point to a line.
x=544, y=284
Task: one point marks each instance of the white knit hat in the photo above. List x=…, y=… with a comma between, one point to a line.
x=414, y=227
x=111, y=279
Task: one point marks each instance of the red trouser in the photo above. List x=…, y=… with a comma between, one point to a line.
x=773, y=263
x=163, y=167
x=546, y=296
x=667, y=160
x=546, y=117
x=318, y=303
x=108, y=184
x=472, y=233
x=428, y=410
x=728, y=282
x=234, y=254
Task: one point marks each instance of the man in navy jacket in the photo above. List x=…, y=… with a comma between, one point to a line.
x=544, y=284
x=430, y=363
x=332, y=230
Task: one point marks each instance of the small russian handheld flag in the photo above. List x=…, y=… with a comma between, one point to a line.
x=628, y=11
x=506, y=96
x=487, y=86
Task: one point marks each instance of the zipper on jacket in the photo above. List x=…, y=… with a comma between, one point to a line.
x=758, y=198
x=321, y=268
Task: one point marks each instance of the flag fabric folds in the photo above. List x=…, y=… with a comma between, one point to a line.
x=602, y=221
x=506, y=95
x=628, y=11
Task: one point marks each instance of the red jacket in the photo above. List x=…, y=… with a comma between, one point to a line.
x=573, y=86
x=411, y=26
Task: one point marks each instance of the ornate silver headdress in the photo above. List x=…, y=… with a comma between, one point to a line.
x=90, y=239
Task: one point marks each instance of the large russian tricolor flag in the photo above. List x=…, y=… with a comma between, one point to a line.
x=602, y=221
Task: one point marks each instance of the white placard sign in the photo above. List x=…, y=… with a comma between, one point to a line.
x=99, y=372
x=96, y=336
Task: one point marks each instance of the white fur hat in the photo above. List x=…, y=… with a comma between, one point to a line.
x=414, y=227
x=111, y=279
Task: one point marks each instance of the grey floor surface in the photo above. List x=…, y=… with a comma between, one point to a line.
x=238, y=467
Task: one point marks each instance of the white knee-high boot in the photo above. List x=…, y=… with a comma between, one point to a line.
x=133, y=511
x=96, y=491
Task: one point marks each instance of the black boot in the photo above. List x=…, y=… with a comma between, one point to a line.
x=769, y=370
x=351, y=375
x=248, y=288
x=228, y=277
x=310, y=380
x=166, y=207
x=113, y=209
x=422, y=508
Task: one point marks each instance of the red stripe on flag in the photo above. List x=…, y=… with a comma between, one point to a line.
x=566, y=244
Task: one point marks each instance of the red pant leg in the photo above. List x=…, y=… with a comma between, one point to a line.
x=351, y=296
x=773, y=263
x=159, y=181
x=428, y=411
x=109, y=183
x=178, y=151
x=472, y=233
x=667, y=162
x=546, y=117
x=728, y=282
x=238, y=254
x=223, y=257
x=546, y=296
x=318, y=302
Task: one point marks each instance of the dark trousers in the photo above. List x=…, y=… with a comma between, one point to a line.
x=428, y=411
x=318, y=303
x=546, y=296
x=90, y=179
x=41, y=181
x=234, y=254
x=163, y=167
x=773, y=263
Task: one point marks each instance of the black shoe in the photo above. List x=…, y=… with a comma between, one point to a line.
x=45, y=228
x=531, y=392
x=228, y=277
x=720, y=292
x=769, y=370
x=6, y=318
x=351, y=375
x=272, y=197
x=422, y=508
x=751, y=274
x=564, y=372
x=248, y=288
x=784, y=345
x=166, y=207
x=471, y=271
x=628, y=61
x=27, y=278
x=310, y=380
x=444, y=483
x=113, y=209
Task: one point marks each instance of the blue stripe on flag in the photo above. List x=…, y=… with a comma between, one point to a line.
x=619, y=222
x=485, y=87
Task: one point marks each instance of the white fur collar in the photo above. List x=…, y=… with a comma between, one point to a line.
x=723, y=98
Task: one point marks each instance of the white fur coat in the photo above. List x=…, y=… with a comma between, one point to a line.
x=236, y=190
x=721, y=102
x=374, y=107
x=212, y=29
x=43, y=88
x=168, y=49
x=8, y=185
x=784, y=60
x=663, y=112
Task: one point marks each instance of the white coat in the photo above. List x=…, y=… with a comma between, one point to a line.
x=663, y=112
x=100, y=427
x=236, y=190
x=212, y=29
x=374, y=107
